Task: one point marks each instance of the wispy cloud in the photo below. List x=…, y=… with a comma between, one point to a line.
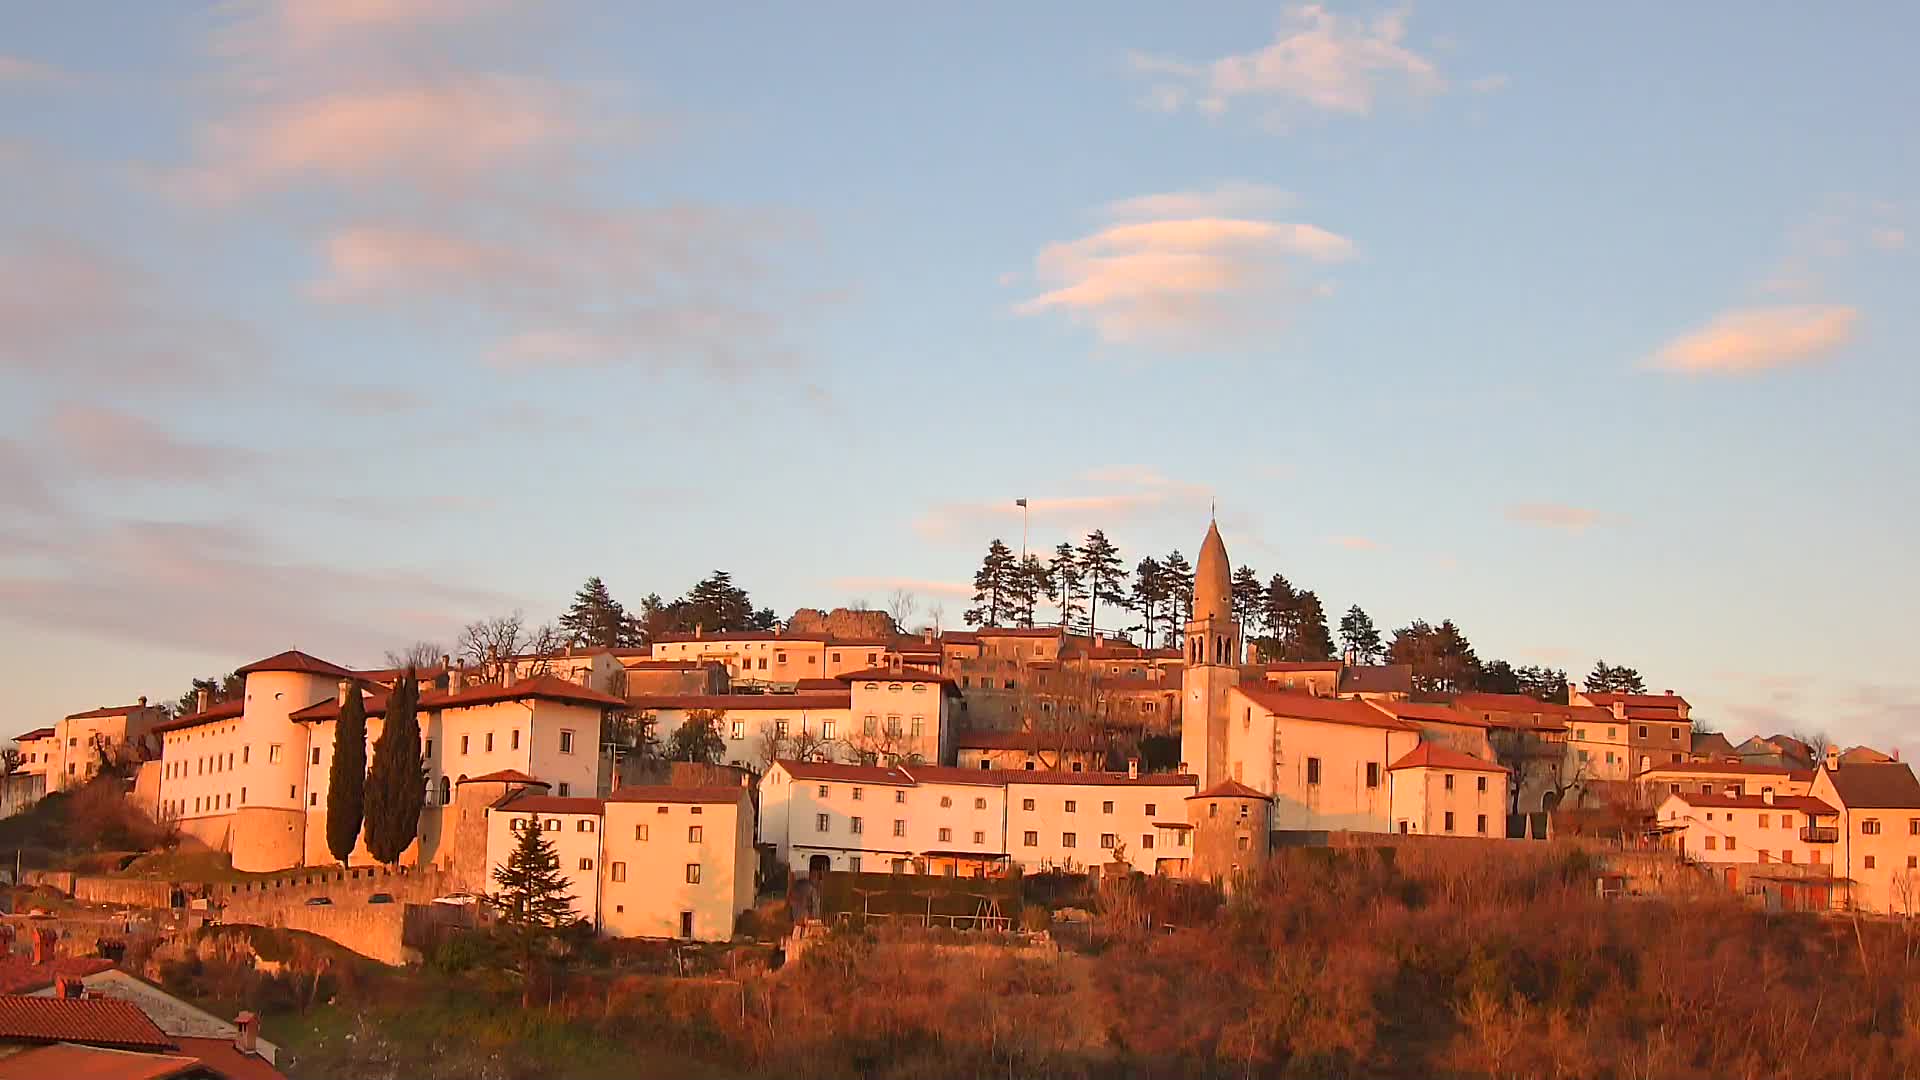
x=1190, y=280
x=1760, y=339
x=20, y=69
x=1317, y=61
x=1575, y=519
x=1355, y=543
x=1224, y=200
x=114, y=445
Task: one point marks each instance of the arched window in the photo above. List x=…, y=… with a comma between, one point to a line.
x=446, y=791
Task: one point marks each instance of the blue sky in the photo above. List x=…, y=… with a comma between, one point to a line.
x=336, y=325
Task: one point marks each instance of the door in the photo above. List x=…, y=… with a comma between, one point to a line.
x=818, y=866
x=686, y=924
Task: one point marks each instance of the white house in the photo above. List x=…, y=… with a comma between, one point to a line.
x=571, y=825
x=829, y=816
x=1437, y=790
x=1070, y=821
x=1323, y=760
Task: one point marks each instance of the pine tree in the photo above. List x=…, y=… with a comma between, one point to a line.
x=1179, y=594
x=1547, y=684
x=698, y=738
x=992, y=586
x=1442, y=659
x=1029, y=582
x=1311, y=641
x=597, y=619
x=1278, y=613
x=396, y=784
x=1103, y=571
x=1247, y=599
x=1149, y=593
x=1359, y=636
x=533, y=892
x=1064, y=573
x=347, y=777
x=1608, y=679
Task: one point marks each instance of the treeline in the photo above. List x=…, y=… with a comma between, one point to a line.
x=1283, y=621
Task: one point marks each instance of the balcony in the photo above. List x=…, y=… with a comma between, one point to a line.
x=1820, y=834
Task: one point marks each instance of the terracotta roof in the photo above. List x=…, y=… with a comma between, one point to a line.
x=948, y=774
x=673, y=665
x=1430, y=755
x=1712, y=742
x=744, y=702
x=226, y=710
x=1730, y=768
x=96, y=1021
x=829, y=770
x=70, y=1061
x=1101, y=779
x=1512, y=703
x=1018, y=631
x=502, y=776
x=19, y=975
x=388, y=675
x=905, y=674
x=552, y=804
x=748, y=635
x=1231, y=789
x=1888, y=786
x=1806, y=804
x=960, y=637
x=818, y=686
x=1659, y=701
x=1027, y=740
x=1285, y=667
x=1376, y=679
x=1326, y=710
x=667, y=793
x=107, y=710
x=1428, y=712
x=224, y=1058
x=295, y=661
x=373, y=699
x=36, y=733
x=542, y=688
x=1865, y=755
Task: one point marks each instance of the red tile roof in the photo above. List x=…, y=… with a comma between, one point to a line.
x=1511, y=703
x=905, y=674
x=1289, y=666
x=552, y=804
x=295, y=661
x=817, y=686
x=1731, y=768
x=373, y=699
x=1017, y=631
x=1100, y=779
x=226, y=710
x=1658, y=701
x=667, y=793
x=1231, y=789
x=1434, y=756
x=673, y=665
x=1889, y=786
x=36, y=733
x=20, y=975
x=1300, y=706
x=224, y=1058
x=70, y=1061
x=752, y=635
x=830, y=770
x=503, y=776
x=947, y=774
x=1806, y=804
x=744, y=702
x=541, y=688
x=96, y=1021
x=1427, y=712
x=106, y=710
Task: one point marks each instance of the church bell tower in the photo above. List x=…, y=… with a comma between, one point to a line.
x=1212, y=665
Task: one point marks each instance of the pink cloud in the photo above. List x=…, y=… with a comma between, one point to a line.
x=19, y=69
x=117, y=445
x=1355, y=543
x=1760, y=339
x=1555, y=516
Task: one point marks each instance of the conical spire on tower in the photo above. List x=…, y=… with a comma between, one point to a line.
x=1213, y=579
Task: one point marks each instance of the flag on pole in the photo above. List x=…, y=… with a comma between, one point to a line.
x=1020, y=503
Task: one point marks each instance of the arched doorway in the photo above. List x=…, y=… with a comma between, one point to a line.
x=446, y=791
x=818, y=866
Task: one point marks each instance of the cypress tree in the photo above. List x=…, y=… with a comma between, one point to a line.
x=397, y=783
x=347, y=778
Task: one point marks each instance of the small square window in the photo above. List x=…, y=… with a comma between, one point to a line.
x=1030, y=839
x=695, y=834
x=1026, y=804
x=640, y=831
x=693, y=873
x=586, y=864
x=618, y=872
x=1107, y=807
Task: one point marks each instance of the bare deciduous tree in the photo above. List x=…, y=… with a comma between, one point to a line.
x=493, y=637
x=420, y=654
x=901, y=604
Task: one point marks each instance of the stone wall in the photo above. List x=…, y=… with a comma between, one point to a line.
x=372, y=930
x=254, y=901
x=131, y=892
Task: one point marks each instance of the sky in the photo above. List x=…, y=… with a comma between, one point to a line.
x=335, y=325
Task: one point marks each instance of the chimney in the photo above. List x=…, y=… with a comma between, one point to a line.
x=1573, y=691
x=143, y=701
x=246, y=1037
x=69, y=986
x=43, y=942
x=508, y=674
x=1133, y=768
x=699, y=630
x=1766, y=796
x=200, y=700
x=1669, y=693
x=340, y=693
x=1833, y=757
x=1619, y=709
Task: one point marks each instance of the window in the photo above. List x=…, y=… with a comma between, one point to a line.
x=553, y=825
x=946, y=836
x=1813, y=856
x=899, y=827
x=1480, y=824
x=979, y=837
x=515, y=741
x=899, y=796
x=1869, y=862
x=273, y=754
x=1763, y=820
x=583, y=825
x=870, y=725
x=1870, y=826
x=640, y=832
x=779, y=658
x=1643, y=731
x=1107, y=840
x=763, y=663
x=618, y=871
x=826, y=730
x=586, y=864
x=1710, y=843
x=695, y=834
x=566, y=742
x=313, y=798
x=1449, y=818
x=464, y=741
x=1480, y=785
x=1068, y=840
x=1073, y=806
x=429, y=750
x=693, y=878
x=1313, y=770
x=316, y=756
x=858, y=825
x=980, y=804
x=489, y=742
x=893, y=725
x=1609, y=733
x=738, y=730
x=779, y=729
x=859, y=794
x=563, y=788
x=1674, y=732
x=1447, y=781
x=1913, y=826
x=919, y=726
x=1373, y=774
x=1030, y=839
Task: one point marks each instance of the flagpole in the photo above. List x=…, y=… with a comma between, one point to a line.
x=1023, y=530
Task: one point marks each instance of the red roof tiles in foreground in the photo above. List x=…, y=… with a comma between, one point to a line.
x=96, y=1021
x=295, y=661
x=223, y=1057
x=1434, y=756
x=1732, y=768
x=20, y=975
x=1299, y=706
x=1231, y=789
x=69, y=1061
x=830, y=770
x=540, y=688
